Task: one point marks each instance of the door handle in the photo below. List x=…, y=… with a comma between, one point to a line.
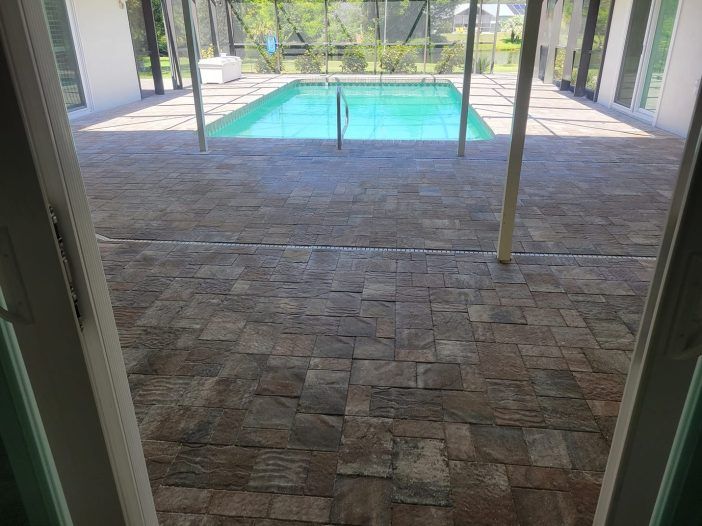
x=16, y=308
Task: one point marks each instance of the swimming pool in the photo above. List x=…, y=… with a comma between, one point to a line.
x=377, y=111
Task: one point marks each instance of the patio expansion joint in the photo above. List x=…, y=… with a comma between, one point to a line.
x=366, y=249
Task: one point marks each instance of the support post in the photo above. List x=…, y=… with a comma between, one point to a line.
x=377, y=36
x=176, y=76
x=194, y=73
x=586, y=50
x=479, y=27
x=279, y=48
x=427, y=27
x=213, y=28
x=494, y=38
x=385, y=25
x=152, y=42
x=573, y=30
x=554, y=33
x=230, y=28
x=525, y=76
x=467, y=74
x=326, y=37
x=604, y=50
x=543, y=26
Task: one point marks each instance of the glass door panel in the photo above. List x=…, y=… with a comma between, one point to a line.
x=633, y=52
x=653, y=79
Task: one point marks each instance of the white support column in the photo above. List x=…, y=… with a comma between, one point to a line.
x=194, y=73
x=553, y=36
x=543, y=26
x=467, y=73
x=576, y=19
x=519, y=123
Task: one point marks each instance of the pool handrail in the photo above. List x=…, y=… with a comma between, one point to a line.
x=339, y=131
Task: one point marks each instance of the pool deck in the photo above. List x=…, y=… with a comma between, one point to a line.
x=324, y=337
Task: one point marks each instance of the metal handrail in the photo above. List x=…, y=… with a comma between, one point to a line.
x=339, y=131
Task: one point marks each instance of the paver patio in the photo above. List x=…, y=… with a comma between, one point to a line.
x=593, y=182
x=347, y=385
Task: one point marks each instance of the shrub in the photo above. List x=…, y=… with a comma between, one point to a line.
x=515, y=26
x=266, y=63
x=353, y=60
x=482, y=64
x=398, y=59
x=207, y=52
x=451, y=56
x=311, y=61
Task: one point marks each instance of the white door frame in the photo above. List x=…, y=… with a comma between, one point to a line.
x=77, y=373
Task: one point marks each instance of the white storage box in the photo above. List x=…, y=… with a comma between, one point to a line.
x=219, y=70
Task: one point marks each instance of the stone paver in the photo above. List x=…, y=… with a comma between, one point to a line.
x=350, y=430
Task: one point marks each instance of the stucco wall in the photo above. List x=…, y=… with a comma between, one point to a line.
x=101, y=31
x=684, y=71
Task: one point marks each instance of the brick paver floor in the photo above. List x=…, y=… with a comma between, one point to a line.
x=295, y=384
x=353, y=387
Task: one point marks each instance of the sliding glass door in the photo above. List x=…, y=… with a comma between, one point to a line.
x=646, y=54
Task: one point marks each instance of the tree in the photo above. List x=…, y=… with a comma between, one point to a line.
x=515, y=26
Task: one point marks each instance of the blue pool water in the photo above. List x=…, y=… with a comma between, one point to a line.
x=377, y=111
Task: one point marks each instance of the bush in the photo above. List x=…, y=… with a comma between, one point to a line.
x=451, y=56
x=482, y=64
x=266, y=63
x=207, y=52
x=311, y=61
x=353, y=60
x=515, y=26
x=398, y=59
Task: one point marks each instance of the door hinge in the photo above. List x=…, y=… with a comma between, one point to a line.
x=66, y=264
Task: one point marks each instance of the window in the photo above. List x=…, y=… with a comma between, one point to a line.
x=64, y=53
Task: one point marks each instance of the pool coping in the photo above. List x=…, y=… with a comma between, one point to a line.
x=225, y=120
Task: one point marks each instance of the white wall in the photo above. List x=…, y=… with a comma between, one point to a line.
x=684, y=71
x=104, y=48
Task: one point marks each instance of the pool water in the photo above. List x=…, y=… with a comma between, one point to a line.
x=377, y=111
